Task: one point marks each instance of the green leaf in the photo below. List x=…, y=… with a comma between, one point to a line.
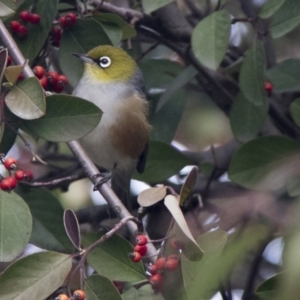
x=166, y=69
x=99, y=287
x=107, y=20
x=172, y=204
x=295, y=111
x=269, y=8
x=251, y=79
x=150, y=6
x=269, y=288
x=246, y=119
x=203, y=279
x=188, y=185
x=285, y=76
x=37, y=34
x=35, y=276
x=111, y=259
x=3, y=61
x=48, y=230
x=165, y=122
x=7, y=8
x=82, y=37
x=265, y=163
x=72, y=228
x=213, y=244
x=67, y=118
x=180, y=81
x=163, y=161
x=15, y=226
x=26, y=99
x=210, y=39
x=286, y=18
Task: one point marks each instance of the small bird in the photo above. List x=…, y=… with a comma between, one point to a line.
x=113, y=81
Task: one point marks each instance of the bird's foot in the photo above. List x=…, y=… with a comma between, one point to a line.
x=102, y=179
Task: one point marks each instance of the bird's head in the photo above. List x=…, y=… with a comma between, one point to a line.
x=108, y=64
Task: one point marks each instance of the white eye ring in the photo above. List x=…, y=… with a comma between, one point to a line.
x=104, y=62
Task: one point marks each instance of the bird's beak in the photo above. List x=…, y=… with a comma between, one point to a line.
x=84, y=57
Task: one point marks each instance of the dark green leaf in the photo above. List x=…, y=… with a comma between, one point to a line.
x=269, y=8
x=286, y=18
x=37, y=34
x=115, y=27
x=26, y=99
x=81, y=38
x=165, y=122
x=285, y=76
x=166, y=69
x=146, y=293
x=269, y=288
x=15, y=226
x=150, y=6
x=210, y=39
x=67, y=118
x=72, y=228
x=48, y=229
x=295, y=111
x=111, y=259
x=251, y=79
x=202, y=279
x=180, y=81
x=246, y=119
x=163, y=161
x=99, y=287
x=265, y=163
x=35, y=276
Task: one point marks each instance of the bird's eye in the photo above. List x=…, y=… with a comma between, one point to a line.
x=104, y=62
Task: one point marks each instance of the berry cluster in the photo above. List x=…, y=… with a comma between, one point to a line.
x=10, y=182
x=162, y=264
x=64, y=22
x=77, y=295
x=50, y=81
x=140, y=248
x=19, y=27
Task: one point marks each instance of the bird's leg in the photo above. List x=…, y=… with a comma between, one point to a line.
x=103, y=178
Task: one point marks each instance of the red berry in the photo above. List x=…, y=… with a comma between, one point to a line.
x=62, y=297
x=22, y=31
x=8, y=183
x=156, y=281
x=25, y=15
x=152, y=269
x=63, y=22
x=171, y=264
x=8, y=61
x=56, y=32
x=21, y=76
x=141, y=239
x=19, y=175
x=268, y=87
x=52, y=78
x=34, y=19
x=160, y=263
x=79, y=295
x=10, y=163
x=176, y=244
x=60, y=84
x=38, y=71
x=71, y=19
x=28, y=176
x=135, y=256
x=142, y=249
x=44, y=82
x=14, y=25
x=119, y=285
